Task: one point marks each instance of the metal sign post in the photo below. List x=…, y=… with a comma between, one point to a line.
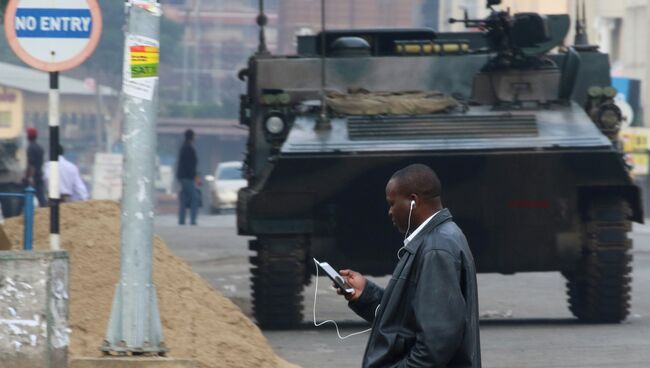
x=53, y=180
x=53, y=36
x=646, y=104
x=134, y=326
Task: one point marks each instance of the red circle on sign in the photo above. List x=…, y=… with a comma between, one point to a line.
x=93, y=40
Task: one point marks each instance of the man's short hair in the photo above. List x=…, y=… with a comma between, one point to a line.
x=189, y=134
x=418, y=179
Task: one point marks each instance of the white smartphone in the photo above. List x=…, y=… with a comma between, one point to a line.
x=335, y=277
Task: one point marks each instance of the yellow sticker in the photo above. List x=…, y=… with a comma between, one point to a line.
x=640, y=163
x=635, y=139
x=144, y=61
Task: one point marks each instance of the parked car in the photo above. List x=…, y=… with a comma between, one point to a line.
x=224, y=185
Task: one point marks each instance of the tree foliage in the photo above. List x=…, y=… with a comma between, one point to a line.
x=5, y=52
x=107, y=60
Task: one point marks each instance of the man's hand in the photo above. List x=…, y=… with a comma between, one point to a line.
x=354, y=279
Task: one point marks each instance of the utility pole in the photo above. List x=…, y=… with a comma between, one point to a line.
x=646, y=100
x=100, y=121
x=134, y=326
x=197, y=40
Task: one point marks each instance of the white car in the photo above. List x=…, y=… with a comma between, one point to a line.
x=225, y=184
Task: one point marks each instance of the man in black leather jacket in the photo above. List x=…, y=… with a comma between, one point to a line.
x=428, y=314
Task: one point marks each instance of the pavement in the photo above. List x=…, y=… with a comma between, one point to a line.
x=525, y=321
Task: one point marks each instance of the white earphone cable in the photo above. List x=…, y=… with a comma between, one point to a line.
x=318, y=324
x=406, y=234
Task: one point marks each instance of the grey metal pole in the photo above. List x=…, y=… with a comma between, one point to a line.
x=134, y=326
x=101, y=123
x=186, y=63
x=197, y=40
x=646, y=82
x=323, y=122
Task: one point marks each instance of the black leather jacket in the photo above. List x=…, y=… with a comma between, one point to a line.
x=428, y=313
x=187, y=161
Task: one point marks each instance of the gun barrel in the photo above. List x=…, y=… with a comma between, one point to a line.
x=468, y=22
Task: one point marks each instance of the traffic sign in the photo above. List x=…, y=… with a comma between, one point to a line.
x=53, y=35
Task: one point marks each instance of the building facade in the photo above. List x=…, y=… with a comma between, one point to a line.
x=303, y=17
x=86, y=127
x=218, y=38
x=618, y=27
x=621, y=28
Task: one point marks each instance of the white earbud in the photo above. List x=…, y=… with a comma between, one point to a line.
x=408, y=227
x=406, y=234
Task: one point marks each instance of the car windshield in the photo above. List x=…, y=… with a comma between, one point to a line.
x=230, y=173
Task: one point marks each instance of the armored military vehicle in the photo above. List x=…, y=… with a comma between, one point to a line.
x=526, y=150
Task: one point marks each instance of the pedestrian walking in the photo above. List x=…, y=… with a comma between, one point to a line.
x=34, y=173
x=427, y=316
x=71, y=186
x=189, y=196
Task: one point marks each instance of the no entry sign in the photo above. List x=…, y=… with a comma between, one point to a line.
x=53, y=35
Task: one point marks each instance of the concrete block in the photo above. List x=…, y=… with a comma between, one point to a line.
x=132, y=362
x=34, y=328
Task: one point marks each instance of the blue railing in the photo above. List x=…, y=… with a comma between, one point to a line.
x=28, y=213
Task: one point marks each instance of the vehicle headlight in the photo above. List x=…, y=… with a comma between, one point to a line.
x=609, y=117
x=595, y=91
x=274, y=125
x=609, y=92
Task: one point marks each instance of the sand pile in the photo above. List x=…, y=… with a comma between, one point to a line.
x=198, y=322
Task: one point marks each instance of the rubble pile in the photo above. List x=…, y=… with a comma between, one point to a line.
x=198, y=322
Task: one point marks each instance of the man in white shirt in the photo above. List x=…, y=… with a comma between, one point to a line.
x=71, y=185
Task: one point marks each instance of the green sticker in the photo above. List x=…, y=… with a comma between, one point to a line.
x=144, y=71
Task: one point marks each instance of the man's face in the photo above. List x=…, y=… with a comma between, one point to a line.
x=398, y=206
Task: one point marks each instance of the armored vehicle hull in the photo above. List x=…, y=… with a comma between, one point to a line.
x=534, y=184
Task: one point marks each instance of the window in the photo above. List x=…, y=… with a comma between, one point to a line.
x=230, y=173
x=635, y=47
x=5, y=119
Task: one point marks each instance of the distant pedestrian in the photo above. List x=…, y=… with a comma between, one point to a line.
x=34, y=172
x=71, y=186
x=190, y=195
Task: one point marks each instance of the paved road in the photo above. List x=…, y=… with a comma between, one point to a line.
x=524, y=318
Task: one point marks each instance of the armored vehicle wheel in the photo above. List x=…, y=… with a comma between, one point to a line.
x=599, y=287
x=278, y=275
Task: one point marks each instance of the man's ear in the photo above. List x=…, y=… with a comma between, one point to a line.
x=414, y=199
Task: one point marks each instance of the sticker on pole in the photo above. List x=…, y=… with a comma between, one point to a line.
x=53, y=35
x=144, y=61
x=141, y=58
